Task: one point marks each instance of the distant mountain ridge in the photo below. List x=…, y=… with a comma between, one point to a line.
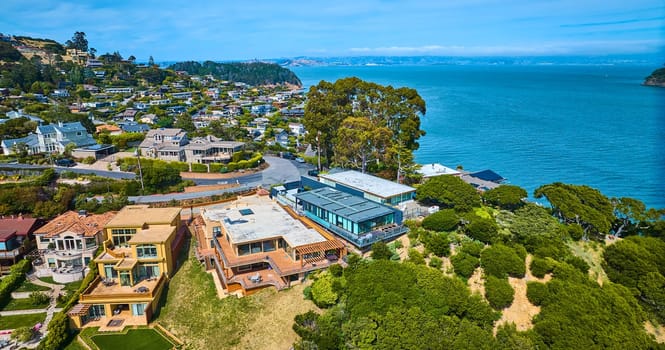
x=253, y=73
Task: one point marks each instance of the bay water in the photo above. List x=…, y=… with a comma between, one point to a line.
x=536, y=124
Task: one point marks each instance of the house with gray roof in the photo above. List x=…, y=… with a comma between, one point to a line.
x=165, y=143
x=52, y=138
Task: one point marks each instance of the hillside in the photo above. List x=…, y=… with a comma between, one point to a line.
x=657, y=78
x=253, y=73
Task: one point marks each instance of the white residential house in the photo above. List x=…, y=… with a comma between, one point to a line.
x=165, y=143
x=68, y=243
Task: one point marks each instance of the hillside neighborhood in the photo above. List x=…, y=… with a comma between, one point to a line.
x=171, y=208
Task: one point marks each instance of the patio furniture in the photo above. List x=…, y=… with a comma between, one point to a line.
x=256, y=278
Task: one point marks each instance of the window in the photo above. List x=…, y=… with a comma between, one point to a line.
x=146, y=251
x=268, y=246
x=109, y=272
x=243, y=249
x=122, y=235
x=216, y=231
x=256, y=247
x=96, y=311
x=138, y=309
x=124, y=278
x=146, y=271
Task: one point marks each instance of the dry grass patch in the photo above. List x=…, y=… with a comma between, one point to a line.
x=477, y=283
x=270, y=328
x=194, y=313
x=521, y=311
x=592, y=253
x=658, y=331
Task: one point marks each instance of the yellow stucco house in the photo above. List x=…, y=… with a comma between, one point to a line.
x=139, y=257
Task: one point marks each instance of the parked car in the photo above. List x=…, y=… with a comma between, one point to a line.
x=313, y=172
x=65, y=162
x=300, y=160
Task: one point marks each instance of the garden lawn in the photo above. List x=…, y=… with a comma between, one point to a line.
x=23, y=304
x=16, y=321
x=26, y=286
x=140, y=339
x=48, y=279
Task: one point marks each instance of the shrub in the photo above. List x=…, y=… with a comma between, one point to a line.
x=216, y=167
x=575, y=231
x=13, y=281
x=484, y=230
x=464, y=264
x=442, y=220
x=435, y=262
x=89, y=160
x=336, y=270
x=398, y=244
x=199, y=168
x=502, y=261
x=416, y=257
x=578, y=263
x=323, y=294
x=380, y=251
x=537, y=292
x=540, y=267
x=472, y=248
x=498, y=292
x=438, y=244
x=22, y=334
x=39, y=298
x=307, y=293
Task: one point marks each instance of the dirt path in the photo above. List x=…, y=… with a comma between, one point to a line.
x=476, y=283
x=271, y=328
x=521, y=311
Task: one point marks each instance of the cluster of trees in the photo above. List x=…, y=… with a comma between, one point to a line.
x=358, y=124
x=252, y=73
x=364, y=300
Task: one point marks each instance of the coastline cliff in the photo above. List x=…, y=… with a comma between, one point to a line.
x=657, y=78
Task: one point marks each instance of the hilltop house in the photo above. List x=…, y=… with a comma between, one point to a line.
x=138, y=259
x=358, y=220
x=370, y=187
x=254, y=243
x=67, y=244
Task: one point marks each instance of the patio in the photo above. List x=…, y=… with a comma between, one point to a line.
x=100, y=289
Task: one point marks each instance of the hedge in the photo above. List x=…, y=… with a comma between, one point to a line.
x=199, y=168
x=13, y=281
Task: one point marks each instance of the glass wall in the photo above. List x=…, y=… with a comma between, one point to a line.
x=146, y=251
x=122, y=235
x=258, y=247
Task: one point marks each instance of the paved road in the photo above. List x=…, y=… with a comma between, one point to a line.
x=280, y=171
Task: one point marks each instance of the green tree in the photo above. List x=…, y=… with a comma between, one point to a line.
x=78, y=42
x=323, y=294
x=329, y=104
x=484, y=230
x=360, y=141
x=442, y=220
x=380, y=251
x=464, y=264
x=448, y=192
x=499, y=292
x=438, y=244
x=582, y=205
x=22, y=334
x=507, y=197
x=502, y=261
x=416, y=257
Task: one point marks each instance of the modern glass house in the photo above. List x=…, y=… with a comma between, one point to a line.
x=358, y=220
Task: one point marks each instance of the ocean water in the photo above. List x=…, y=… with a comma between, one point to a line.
x=536, y=124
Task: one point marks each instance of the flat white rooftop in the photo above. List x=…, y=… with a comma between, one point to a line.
x=436, y=169
x=368, y=183
x=256, y=218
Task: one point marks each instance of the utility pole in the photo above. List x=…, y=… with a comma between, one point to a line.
x=318, y=147
x=138, y=158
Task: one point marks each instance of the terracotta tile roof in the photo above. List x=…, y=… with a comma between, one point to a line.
x=71, y=221
x=22, y=225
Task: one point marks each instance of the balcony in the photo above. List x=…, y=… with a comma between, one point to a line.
x=67, y=274
x=11, y=254
x=102, y=291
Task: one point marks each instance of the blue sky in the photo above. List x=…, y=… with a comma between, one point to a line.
x=225, y=30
